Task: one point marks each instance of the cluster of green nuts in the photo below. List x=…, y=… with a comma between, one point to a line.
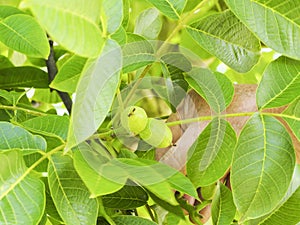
x=153, y=131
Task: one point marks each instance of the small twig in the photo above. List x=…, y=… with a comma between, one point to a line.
x=52, y=71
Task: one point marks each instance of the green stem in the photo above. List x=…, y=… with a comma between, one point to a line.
x=137, y=83
x=46, y=155
x=32, y=112
x=101, y=135
x=206, y=118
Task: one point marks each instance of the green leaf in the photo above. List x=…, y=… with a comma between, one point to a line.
x=22, y=196
x=14, y=137
x=12, y=97
x=46, y=95
x=280, y=83
x=274, y=22
x=156, y=177
x=224, y=36
x=122, y=220
x=287, y=213
x=10, y=2
x=215, y=88
x=25, y=76
x=126, y=13
x=175, y=64
x=129, y=197
x=138, y=52
x=5, y=62
x=223, y=209
x=148, y=24
x=6, y=11
x=68, y=75
x=50, y=125
x=95, y=93
x=71, y=23
x=263, y=156
x=69, y=193
x=50, y=207
x=210, y=156
x=170, y=8
x=293, y=111
x=112, y=14
x=22, y=33
x=120, y=36
x=87, y=163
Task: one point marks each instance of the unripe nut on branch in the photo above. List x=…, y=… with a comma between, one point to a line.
x=157, y=134
x=134, y=119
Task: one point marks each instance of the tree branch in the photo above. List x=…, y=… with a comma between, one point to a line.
x=52, y=71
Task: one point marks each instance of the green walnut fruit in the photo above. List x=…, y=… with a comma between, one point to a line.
x=157, y=134
x=134, y=119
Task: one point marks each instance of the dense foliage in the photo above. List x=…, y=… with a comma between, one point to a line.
x=89, y=91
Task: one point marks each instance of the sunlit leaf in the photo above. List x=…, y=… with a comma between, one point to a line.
x=50, y=125
x=120, y=36
x=10, y=2
x=170, y=8
x=148, y=24
x=22, y=196
x=264, y=155
x=215, y=88
x=68, y=75
x=224, y=36
x=280, y=83
x=71, y=23
x=156, y=177
x=223, y=209
x=69, y=193
x=87, y=163
x=31, y=41
x=112, y=14
x=46, y=95
x=95, y=93
x=211, y=154
x=138, y=52
x=26, y=76
x=14, y=137
x=275, y=22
